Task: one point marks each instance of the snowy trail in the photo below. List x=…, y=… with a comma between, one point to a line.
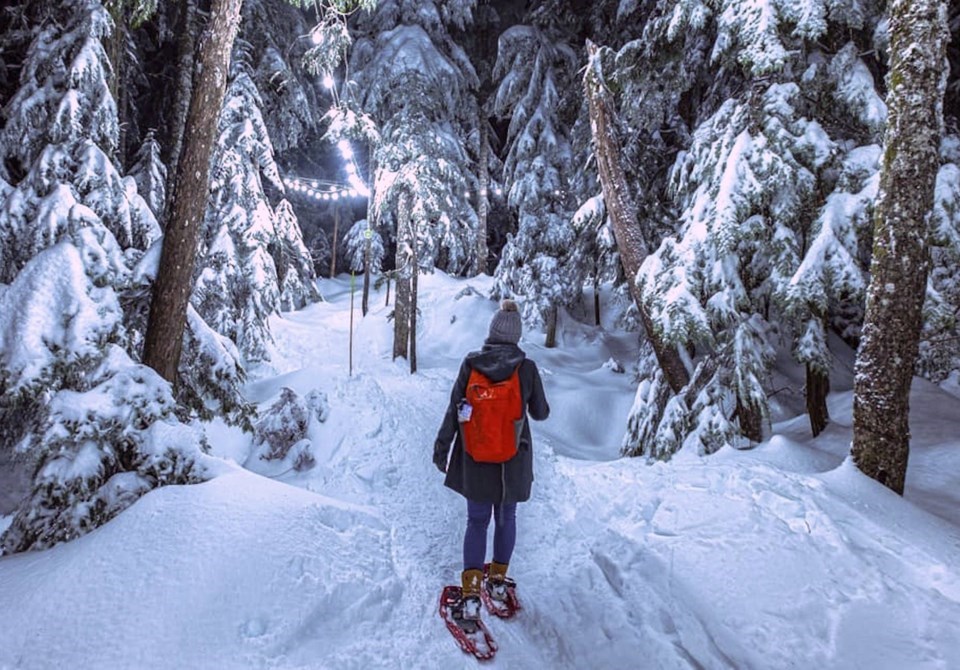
x=425, y=519
x=576, y=604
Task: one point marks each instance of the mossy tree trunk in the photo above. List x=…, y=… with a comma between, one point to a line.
x=891, y=329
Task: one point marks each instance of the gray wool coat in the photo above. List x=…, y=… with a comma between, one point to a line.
x=508, y=482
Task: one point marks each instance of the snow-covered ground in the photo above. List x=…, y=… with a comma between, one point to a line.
x=783, y=556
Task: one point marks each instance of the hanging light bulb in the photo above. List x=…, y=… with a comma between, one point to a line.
x=328, y=81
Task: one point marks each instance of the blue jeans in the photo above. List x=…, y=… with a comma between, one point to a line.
x=475, y=537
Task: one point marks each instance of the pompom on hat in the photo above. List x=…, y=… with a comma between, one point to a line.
x=506, y=325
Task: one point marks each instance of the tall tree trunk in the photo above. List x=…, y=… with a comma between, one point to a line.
x=401, y=303
x=623, y=213
x=186, y=50
x=171, y=292
x=891, y=329
x=483, y=202
x=414, y=280
x=333, y=247
x=551, y=340
x=818, y=386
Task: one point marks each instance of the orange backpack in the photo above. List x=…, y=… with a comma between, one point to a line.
x=492, y=432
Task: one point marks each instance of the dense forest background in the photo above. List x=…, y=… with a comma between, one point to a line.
x=751, y=137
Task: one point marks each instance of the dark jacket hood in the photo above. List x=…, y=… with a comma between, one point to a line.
x=496, y=360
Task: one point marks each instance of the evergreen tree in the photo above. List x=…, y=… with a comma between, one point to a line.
x=254, y=260
x=939, y=346
x=60, y=132
x=771, y=191
x=98, y=429
x=355, y=244
x=534, y=69
x=291, y=101
x=150, y=175
x=416, y=84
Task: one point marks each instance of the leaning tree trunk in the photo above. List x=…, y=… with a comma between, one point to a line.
x=891, y=329
x=171, y=292
x=186, y=50
x=483, y=202
x=623, y=213
x=401, y=303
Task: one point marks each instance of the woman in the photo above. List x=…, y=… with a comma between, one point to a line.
x=490, y=487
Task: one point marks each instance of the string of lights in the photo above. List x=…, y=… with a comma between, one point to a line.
x=321, y=189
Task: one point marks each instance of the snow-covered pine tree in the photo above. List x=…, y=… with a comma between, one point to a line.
x=939, y=344
x=253, y=258
x=417, y=85
x=292, y=105
x=536, y=71
x=596, y=244
x=295, y=274
x=57, y=140
x=171, y=292
x=150, y=175
x=97, y=429
x=777, y=171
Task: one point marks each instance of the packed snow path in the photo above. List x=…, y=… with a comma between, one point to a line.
x=394, y=418
x=781, y=557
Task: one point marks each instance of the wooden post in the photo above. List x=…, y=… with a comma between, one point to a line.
x=351, y=324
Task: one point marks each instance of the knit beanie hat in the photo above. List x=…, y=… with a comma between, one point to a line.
x=506, y=326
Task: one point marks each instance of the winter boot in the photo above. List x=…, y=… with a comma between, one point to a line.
x=497, y=581
x=467, y=613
